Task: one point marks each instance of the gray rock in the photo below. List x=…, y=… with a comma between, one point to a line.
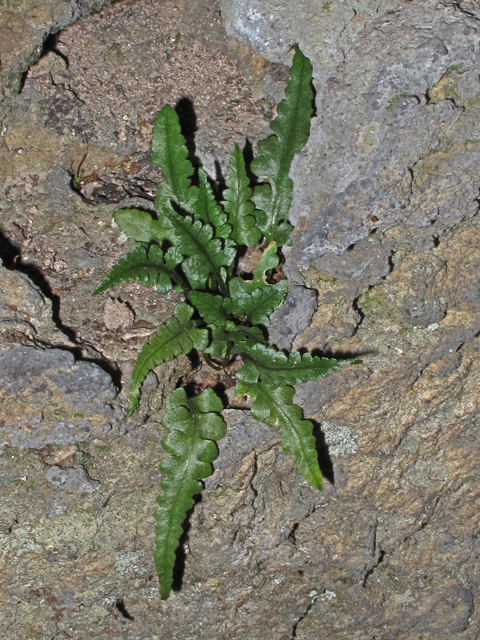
x=55, y=506
x=244, y=435
x=293, y=317
x=25, y=310
x=378, y=121
x=49, y=398
x=339, y=439
x=24, y=32
x=74, y=480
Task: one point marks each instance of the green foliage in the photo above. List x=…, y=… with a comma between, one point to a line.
x=178, y=335
x=291, y=128
x=195, y=242
x=237, y=202
x=146, y=264
x=170, y=154
x=273, y=405
x=275, y=368
x=140, y=226
x=193, y=426
x=254, y=300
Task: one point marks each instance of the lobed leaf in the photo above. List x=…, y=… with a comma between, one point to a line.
x=193, y=426
x=237, y=202
x=203, y=239
x=208, y=211
x=274, y=406
x=291, y=128
x=232, y=334
x=256, y=305
x=171, y=155
x=268, y=261
x=210, y=307
x=140, y=226
x=256, y=299
x=204, y=255
x=148, y=266
x=275, y=368
x=178, y=335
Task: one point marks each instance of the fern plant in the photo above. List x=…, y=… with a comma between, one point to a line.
x=195, y=243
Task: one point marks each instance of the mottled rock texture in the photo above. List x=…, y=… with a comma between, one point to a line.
x=49, y=398
x=385, y=265
x=25, y=27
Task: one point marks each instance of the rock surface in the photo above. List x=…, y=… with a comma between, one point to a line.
x=385, y=265
x=46, y=397
x=25, y=27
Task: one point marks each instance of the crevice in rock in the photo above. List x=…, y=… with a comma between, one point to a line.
x=314, y=106
x=10, y=258
x=467, y=12
x=291, y=536
x=250, y=484
x=300, y=619
x=23, y=79
x=49, y=45
x=121, y=608
x=377, y=555
x=430, y=100
x=358, y=311
x=355, y=301
x=412, y=176
x=323, y=456
x=378, y=561
x=457, y=106
x=66, y=87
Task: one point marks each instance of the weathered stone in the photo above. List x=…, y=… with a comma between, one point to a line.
x=378, y=128
x=386, y=258
x=74, y=480
x=46, y=397
x=243, y=436
x=293, y=317
x=24, y=27
x=25, y=311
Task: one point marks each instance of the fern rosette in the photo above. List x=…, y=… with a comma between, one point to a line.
x=194, y=241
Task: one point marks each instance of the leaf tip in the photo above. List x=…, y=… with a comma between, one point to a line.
x=316, y=480
x=164, y=592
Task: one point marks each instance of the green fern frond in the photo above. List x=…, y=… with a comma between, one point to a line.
x=291, y=128
x=257, y=305
x=178, y=335
x=208, y=211
x=210, y=307
x=204, y=255
x=237, y=202
x=205, y=239
x=140, y=226
x=256, y=299
x=171, y=155
x=225, y=338
x=276, y=368
x=194, y=426
x=274, y=406
x=148, y=266
x=268, y=261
